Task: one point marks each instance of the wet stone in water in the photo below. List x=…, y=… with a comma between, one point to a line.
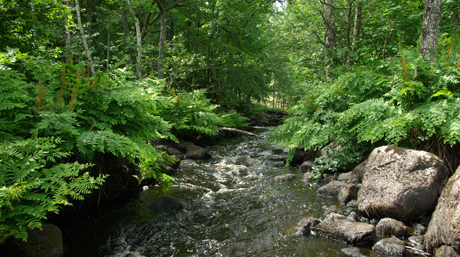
x=353, y=252
x=305, y=225
x=166, y=203
x=285, y=177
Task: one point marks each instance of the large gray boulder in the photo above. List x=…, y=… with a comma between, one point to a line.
x=338, y=228
x=401, y=183
x=444, y=227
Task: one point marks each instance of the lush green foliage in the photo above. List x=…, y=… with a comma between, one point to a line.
x=90, y=117
x=232, y=119
x=190, y=112
x=33, y=182
x=404, y=100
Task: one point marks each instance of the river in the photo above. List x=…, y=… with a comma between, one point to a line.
x=233, y=207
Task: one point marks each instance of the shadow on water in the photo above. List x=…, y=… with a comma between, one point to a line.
x=233, y=207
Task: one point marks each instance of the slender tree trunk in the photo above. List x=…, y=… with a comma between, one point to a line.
x=67, y=36
x=83, y=38
x=124, y=21
x=161, y=48
x=357, y=27
x=89, y=13
x=331, y=39
x=108, y=44
x=430, y=28
x=139, y=41
x=32, y=9
x=329, y=20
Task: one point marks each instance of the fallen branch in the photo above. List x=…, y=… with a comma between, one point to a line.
x=228, y=115
x=417, y=251
x=239, y=131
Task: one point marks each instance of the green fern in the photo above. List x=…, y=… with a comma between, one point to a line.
x=32, y=184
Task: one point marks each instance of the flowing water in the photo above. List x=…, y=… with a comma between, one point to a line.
x=233, y=207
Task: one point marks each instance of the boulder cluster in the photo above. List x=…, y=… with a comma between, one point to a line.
x=400, y=200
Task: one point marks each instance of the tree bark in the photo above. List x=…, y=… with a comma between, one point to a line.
x=139, y=41
x=329, y=20
x=330, y=36
x=161, y=48
x=430, y=28
x=89, y=12
x=108, y=44
x=357, y=27
x=83, y=38
x=67, y=33
x=124, y=21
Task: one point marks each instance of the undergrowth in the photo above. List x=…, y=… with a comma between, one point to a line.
x=61, y=130
x=404, y=100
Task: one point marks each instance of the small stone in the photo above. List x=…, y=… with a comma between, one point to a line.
x=307, y=166
x=308, y=178
x=390, y=247
x=285, y=177
x=353, y=216
x=278, y=164
x=348, y=193
x=345, y=177
x=391, y=227
x=331, y=190
x=166, y=203
x=197, y=153
x=338, y=228
x=305, y=225
x=332, y=209
x=188, y=163
x=353, y=252
x=352, y=204
x=418, y=240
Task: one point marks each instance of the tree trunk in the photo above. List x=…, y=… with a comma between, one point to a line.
x=124, y=21
x=357, y=27
x=83, y=38
x=430, y=28
x=329, y=23
x=161, y=48
x=108, y=44
x=67, y=34
x=89, y=13
x=331, y=39
x=139, y=41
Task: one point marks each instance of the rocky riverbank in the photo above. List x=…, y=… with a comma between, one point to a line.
x=400, y=200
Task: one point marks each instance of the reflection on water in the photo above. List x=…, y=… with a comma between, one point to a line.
x=233, y=207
